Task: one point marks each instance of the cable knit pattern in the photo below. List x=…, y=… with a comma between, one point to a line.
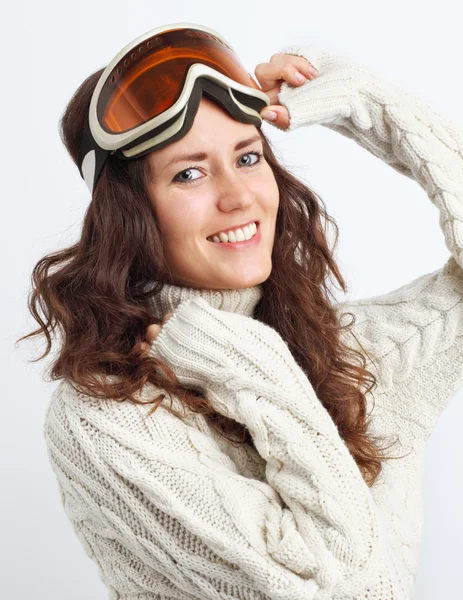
x=414, y=333
x=169, y=509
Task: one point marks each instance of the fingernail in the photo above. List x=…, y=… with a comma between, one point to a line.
x=269, y=115
x=313, y=70
x=300, y=77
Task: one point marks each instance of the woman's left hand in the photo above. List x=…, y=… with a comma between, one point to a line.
x=270, y=75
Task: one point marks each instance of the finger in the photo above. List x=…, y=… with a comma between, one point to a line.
x=271, y=74
x=283, y=67
x=152, y=332
x=282, y=116
x=273, y=95
x=301, y=64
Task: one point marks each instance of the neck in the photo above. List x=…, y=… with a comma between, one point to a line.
x=241, y=301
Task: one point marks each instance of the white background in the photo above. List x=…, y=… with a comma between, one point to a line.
x=389, y=229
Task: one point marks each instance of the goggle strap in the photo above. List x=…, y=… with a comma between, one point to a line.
x=91, y=159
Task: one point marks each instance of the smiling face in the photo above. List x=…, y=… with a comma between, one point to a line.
x=227, y=189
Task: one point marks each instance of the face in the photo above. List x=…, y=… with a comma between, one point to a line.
x=194, y=199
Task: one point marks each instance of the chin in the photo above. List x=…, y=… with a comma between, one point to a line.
x=247, y=282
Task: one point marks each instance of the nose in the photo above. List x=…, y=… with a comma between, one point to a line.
x=234, y=191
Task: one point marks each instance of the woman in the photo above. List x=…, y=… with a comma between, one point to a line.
x=246, y=341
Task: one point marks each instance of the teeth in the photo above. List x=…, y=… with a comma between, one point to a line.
x=238, y=235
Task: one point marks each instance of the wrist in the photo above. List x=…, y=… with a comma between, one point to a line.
x=330, y=97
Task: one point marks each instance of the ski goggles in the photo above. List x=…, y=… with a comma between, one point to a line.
x=149, y=93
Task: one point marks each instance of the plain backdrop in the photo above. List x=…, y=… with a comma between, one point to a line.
x=389, y=229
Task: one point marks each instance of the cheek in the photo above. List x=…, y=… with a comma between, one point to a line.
x=269, y=192
x=183, y=220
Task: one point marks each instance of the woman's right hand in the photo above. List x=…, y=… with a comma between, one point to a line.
x=153, y=331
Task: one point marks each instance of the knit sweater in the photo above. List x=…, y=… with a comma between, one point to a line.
x=167, y=508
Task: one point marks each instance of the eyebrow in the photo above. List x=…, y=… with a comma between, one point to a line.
x=199, y=156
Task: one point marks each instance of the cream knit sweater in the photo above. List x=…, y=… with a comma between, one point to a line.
x=168, y=509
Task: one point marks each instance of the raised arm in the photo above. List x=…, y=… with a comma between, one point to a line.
x=414, y=333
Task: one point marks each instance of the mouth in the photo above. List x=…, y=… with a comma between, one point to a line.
x=257, y=223
x=253, y=241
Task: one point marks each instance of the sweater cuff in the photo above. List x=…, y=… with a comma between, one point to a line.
x=218, y=351
x=330, y=97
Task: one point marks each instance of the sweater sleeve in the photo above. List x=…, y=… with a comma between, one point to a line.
x=414, y=333
x=328, y=534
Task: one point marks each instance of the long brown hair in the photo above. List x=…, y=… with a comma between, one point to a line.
x=96, y=292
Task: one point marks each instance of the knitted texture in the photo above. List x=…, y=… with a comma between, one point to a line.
x=169, y=509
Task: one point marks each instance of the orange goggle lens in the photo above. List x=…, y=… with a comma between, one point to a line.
x=150, y=77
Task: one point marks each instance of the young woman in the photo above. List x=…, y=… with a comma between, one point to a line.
x=217, y=431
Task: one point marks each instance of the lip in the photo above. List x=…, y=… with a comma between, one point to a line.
x=254, y=241
x=235, y=227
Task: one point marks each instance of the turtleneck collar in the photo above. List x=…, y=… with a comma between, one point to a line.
x=241, y=301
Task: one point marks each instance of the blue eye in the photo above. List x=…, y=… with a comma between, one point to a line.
x=197, y=167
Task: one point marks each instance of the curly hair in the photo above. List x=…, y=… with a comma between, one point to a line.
x=97, y=293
